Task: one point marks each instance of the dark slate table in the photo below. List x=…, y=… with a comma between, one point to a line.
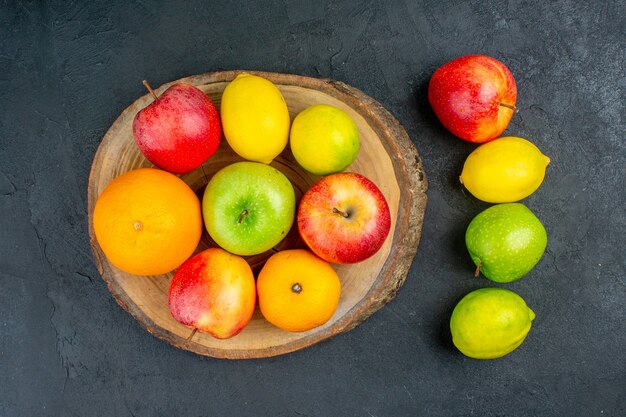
x=68, y=68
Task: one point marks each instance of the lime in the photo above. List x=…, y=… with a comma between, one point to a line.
x=324, y=139
x=255, y=118
x=490, y=322
x=504, y=170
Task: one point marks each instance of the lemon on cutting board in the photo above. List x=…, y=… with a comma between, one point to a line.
x=504, y=170
x=255, y=118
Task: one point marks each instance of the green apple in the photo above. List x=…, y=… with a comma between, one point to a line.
x=505, y=241
x=248, y=207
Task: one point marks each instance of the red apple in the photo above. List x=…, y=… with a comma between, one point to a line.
x=473, y=97
x=213, y=291
x=179, y=130
x=344, y=218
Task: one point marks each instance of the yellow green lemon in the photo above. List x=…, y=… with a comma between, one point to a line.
x=324, y=139
x=504, y=170
x=255, y=118
x=490, y=322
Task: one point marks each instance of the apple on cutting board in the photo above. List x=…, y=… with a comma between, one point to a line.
x=213, y=291
x=474, y=97
x=248, y=207
x=179, y=130
x=344, y=218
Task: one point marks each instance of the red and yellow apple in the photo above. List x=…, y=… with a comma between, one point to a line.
x=179, y=130
x=474, y=97
x=344, y=218
x=213, y=291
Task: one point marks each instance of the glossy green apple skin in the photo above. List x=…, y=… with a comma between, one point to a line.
x=506, y=240
x=248, y=207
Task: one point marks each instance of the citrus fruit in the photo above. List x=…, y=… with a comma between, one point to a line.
x=297, y=290
x=324, y=139
x=255, y=119
x=504, y=170
x=147, y=221
x=490, y=322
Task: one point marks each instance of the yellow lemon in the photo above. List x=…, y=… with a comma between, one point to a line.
x=490, y=322
x=255, y=118
x=324, y=139
x=504, y=170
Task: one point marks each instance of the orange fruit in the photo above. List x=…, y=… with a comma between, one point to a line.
x=297, y=290
x=147, y=221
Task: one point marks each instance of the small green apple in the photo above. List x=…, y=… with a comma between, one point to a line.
x=505, y=241
x=248, y=207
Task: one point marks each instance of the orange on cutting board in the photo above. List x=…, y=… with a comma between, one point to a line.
x=297, y=290
x=147, y=221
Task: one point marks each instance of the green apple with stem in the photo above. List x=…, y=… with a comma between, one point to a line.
x=248, y=207
x=505, y=241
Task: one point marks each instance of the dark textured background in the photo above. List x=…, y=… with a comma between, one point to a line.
x=68, y=68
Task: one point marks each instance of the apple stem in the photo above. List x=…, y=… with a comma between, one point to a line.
x=343, y=213
x=150, y=90
x=243, y=214
x=297, y=288
x=477, y=272
x=195, y=329
x=508, y=106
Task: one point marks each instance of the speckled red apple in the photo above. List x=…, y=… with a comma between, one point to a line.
x=179, y=130
x=473, y=97
x=213, y=291
x=344, y=218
